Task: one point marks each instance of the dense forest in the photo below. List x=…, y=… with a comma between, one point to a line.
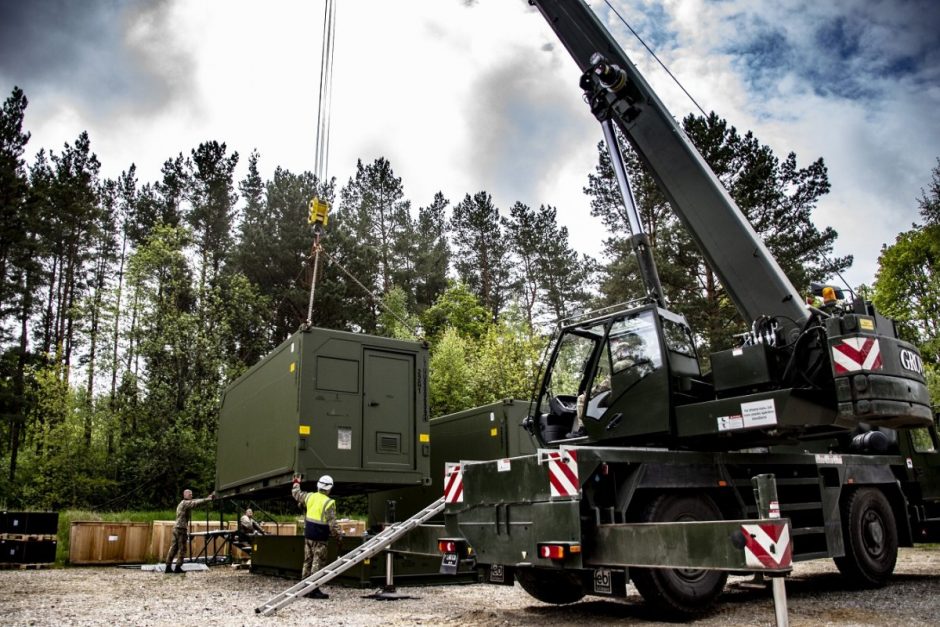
x=127, y=305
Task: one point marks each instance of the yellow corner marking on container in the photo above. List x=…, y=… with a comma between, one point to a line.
x=304, y=429
x=293, y=366
x=424, y=438
x=865, y=323
x=494, y=431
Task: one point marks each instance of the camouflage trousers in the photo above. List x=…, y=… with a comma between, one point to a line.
x=178, y=546
x=314, y=556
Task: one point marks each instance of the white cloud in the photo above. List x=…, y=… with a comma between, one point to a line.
x=464, y=99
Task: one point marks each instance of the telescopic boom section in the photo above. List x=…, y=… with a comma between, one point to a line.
x=731, y=247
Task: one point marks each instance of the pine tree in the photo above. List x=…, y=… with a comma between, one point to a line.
x=374, y=207
x=213, y=197
x=431, y=253
x=777, y=197
x=482, y=257
x=13, y=187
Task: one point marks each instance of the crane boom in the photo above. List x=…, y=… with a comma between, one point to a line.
x=731, y=247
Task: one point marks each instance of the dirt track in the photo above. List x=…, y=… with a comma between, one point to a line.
x=223, y=596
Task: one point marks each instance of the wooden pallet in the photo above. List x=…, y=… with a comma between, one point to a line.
x=29, y=537
x=9, y=566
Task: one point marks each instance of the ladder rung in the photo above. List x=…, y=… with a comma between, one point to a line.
x=382, y=540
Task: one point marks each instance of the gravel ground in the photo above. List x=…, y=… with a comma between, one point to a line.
x=225, y=596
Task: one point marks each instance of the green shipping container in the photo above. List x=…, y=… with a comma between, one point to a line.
x=491, y=431
x=327, y=402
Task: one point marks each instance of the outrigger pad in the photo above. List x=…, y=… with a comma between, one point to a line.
x=187, y=568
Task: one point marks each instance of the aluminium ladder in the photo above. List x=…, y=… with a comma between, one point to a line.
x=377, y=543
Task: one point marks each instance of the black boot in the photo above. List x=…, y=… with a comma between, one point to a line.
x=168, y=569
x=316, y=593
x=178, y=569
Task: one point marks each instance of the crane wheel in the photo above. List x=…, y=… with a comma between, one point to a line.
x=871, y=539
x=680, y=593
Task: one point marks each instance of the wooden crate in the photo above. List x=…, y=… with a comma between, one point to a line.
x=354, y=528
x=162, y=536
x=96, y=542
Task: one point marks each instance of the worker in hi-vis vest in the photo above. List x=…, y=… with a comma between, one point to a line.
x=319, y=524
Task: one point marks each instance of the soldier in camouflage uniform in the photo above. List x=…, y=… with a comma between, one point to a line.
x=181, y=529
x=319, y=524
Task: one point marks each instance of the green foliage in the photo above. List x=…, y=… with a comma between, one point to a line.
x=507, y=361
x=501, y=363
x=932, y=374
x=62, y=469
x=394, y=312
x=456, y=308
x=449, y=374
x=907, y=286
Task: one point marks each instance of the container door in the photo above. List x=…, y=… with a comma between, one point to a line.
x=388, y=412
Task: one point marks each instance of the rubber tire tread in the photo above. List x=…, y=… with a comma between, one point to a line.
x=859, y=569
x=658, y=586
x=551, y=586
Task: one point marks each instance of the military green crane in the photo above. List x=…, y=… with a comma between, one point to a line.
x=632, y=431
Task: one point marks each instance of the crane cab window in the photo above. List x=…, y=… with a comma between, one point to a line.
x=629, y=353
x=922, y=440
x=575, y=352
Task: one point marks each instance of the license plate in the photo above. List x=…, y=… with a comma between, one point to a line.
x=602, y=581
x=497, y=574
x=449, y=564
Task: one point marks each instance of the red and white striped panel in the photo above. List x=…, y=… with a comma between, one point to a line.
x=852, y=354
x=453, y=483
x=562, y=471
x=767, y=545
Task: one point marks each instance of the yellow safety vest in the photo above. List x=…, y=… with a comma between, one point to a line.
x=317, y=504
x=315, y=527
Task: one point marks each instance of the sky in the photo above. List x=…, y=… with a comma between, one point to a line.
x=468, y=95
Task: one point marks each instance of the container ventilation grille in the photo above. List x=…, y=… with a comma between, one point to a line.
x=388, y=442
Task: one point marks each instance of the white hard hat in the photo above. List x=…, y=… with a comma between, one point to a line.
x=325, y=483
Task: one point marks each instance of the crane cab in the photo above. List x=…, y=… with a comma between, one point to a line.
x=616, y=377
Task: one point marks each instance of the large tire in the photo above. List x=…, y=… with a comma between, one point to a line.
x=680, y=593
x=551, y=586
x=870, y=536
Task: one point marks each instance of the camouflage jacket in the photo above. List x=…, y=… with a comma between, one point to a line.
x=249, y=525
x=184, y=511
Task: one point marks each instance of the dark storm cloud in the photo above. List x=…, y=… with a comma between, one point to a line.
x=106, y=56
x=852, y=50
x=521, y=125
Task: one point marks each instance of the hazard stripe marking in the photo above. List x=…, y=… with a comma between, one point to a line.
x=453, y=483
x=562, y=472
x=856, y=353
x=767, y=545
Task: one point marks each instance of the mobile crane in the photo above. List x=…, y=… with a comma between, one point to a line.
x=631, y=431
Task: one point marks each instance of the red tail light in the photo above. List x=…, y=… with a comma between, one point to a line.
x=446, y=546
x=554, y=551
